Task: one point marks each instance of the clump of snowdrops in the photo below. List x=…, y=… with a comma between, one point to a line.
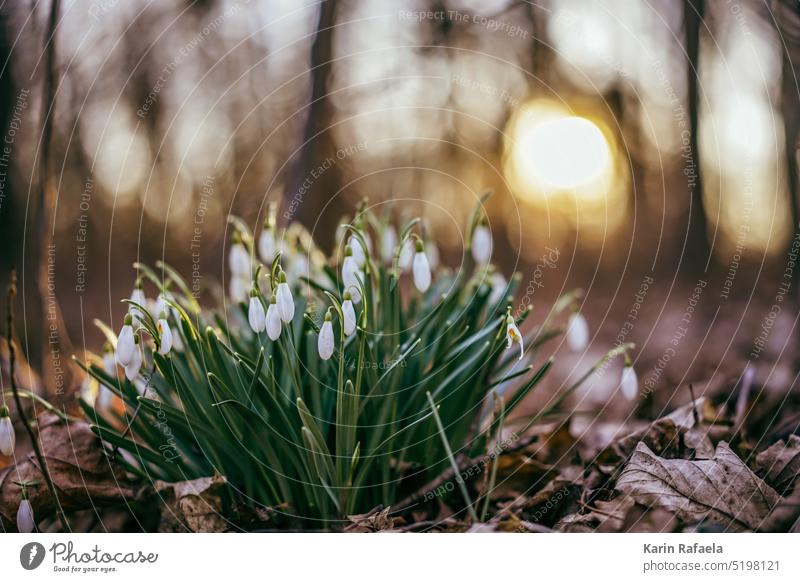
x=323, y=386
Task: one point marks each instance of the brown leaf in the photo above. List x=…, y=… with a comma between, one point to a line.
x=605, y=516
x=195, y=505
x=376, y=520
x=722, y=489
x=781, y=463
x=83, y=475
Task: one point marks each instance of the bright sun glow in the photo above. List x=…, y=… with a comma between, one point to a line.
x=556, y=151
x=564, y=153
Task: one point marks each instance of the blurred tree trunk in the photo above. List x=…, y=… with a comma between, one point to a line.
x=315, y=139
x=787, y=17
x=696, y=252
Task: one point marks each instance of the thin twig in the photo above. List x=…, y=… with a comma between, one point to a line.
x=12, y=291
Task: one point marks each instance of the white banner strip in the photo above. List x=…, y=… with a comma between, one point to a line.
x=401, y=557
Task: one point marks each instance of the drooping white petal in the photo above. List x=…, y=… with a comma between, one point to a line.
x=359, y=253
x=422, y=272
x=577, y=332
x=499, y=287
x=325, y=341
x=125, y=345
x=166, y=337
x=482, y=244
x=256, y=315
x=285, y=302
x=349, y=317
x=8, y=437
x=351, y=276
x=273, y=322
x=239, y=260
x=388, y=243
x=406, y=255
x=138, y=296
x=133, y=367
x=514, y=336
x=629, y=383
x=25, y=520
x=266, y=246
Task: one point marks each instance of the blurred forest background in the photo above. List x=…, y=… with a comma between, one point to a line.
x=644, y=151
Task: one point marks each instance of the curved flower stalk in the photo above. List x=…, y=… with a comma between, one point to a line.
x=336, y=415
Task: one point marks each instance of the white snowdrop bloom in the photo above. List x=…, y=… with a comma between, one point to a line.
x=406, y=255
x=284, y=299
x=8, y=438
x=629, y=383
x=499, y=286
x=25, y=520
x=255, y=313
x=577, y=332
x=133, y=367
x=239, y=288
x=267, y=245
x=125, y=342
x=325, y=343
x=351, y=275
x=421, y=269
x=162, y=305
x=388, y=243
x=513, y=335
x=349, y=312
x=165, y=344
x=273, y=320
x=239, y=258
x=359, y=252
x=138, y=297
x=482, y=244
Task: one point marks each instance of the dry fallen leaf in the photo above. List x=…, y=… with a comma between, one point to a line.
x=722, y=489
x=195, y=505
x=84, y=477
x=781, y=463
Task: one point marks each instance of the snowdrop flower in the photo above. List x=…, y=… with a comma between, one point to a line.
x=255, y=313
x=239, y=258
x=25, y=520
x=513, y=335
x=351, y=275
x=238, y=288
x=135, y=364
x=125, y=342
x=388, y=243
x=138, y=296
x=630, y=382
x=406, y=255
x=325, y=341
x=421, y=268
x=273, y=319
x=8, y=437
x=162, y=325
x=499, y=286
x=577, y=332
x=266, y=243
x=284, y=298
x=359, y=252
x=104, y=394
x=349, y=322
x=482, y=243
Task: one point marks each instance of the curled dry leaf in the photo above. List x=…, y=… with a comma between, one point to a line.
x=780, y=463
x=722, y=489
x=84, y=477
x=376, y=520
x=195, y=505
